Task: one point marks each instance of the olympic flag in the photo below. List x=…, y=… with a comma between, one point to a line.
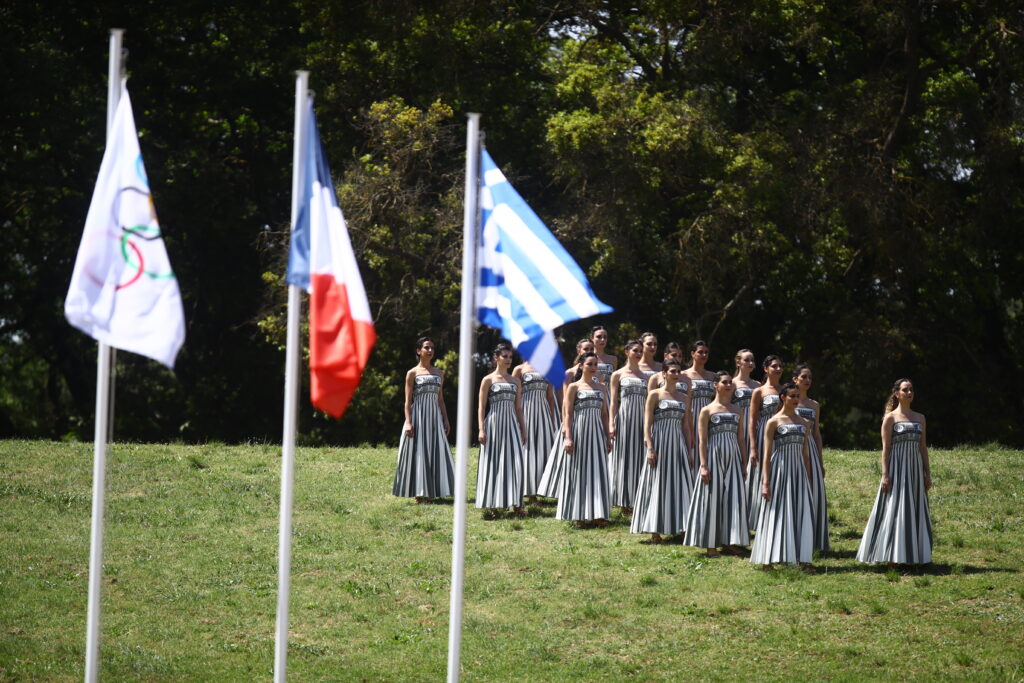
x=123, y=292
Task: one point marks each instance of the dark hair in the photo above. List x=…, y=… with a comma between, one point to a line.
x=595, y=328
x=800, y=368
x=579, y=364
x=740, y=353
x=768, y=361
x=670, y=347
x=644, y=335
x=892, y=401
x=499, y=349
x=785, y=389
x=697, y=344
x=720, y=374
x=583, y=341
x=670, y=362
x=631, y=343
x=421, y=341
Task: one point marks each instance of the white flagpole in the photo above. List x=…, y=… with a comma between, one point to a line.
x=467, y=331
x=291, y=400
x=101, y=434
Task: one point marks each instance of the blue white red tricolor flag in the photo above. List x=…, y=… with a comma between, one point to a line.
x=321, y=261
x=123, y=292
x=528, y=284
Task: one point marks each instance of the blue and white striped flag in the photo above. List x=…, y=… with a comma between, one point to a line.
x=528, y=283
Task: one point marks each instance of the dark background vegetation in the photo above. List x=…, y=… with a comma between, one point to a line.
x=838, y=183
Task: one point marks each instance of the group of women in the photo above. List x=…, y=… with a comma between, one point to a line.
x=706, y=457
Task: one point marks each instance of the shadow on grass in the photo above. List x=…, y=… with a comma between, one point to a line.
x=933, y=569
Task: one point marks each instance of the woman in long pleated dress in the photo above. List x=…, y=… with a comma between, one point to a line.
x=606, y=363
x=702, y=389
x=718, y=505
x=424, y=469
x=647, y=364
x=585, y=345
x=551, y=479
x=785, y=530
x=810, y=410
x=540, y=416
x=764, y=403
x=899, y=530
x=499, y=480
x=663, y=494
x=628, y=394
x=584, y=496
x=745, y=386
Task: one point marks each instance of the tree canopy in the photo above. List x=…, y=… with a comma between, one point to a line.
x=837, y=183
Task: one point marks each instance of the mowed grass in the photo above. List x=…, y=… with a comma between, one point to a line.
x=189, y=588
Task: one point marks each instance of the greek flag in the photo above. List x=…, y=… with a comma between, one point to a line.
x=528, y=283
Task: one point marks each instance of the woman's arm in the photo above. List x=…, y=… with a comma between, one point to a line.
x=444, y=409
x=614, y=391
x=702, y=430
x=481, y=408
x=755, y=417
x=550, y=396
x=519, y=408
x=807, y=452
x=766, y=466
x=410, y=383
x=817, y=437
x=887, y=423
x=652, y=401
x=567, y=403
x=924, y=455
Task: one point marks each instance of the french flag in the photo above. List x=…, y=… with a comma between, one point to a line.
x=321, y=261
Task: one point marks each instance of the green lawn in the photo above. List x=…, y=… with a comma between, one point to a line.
x=190, y=579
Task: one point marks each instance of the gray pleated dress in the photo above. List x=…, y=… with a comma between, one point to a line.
x=769, y=406
x=718, y=510
x=605, y=370
x=741, y=399
x=499, y=479
x=627, y=455
x=819, y=502
x=785, y=530
x=584, y=492
x=900, y=527
x=540, y=430
x=663, y=494
x=702, y=393
x=424, y=468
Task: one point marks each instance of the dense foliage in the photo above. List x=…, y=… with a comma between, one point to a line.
x=839, y=183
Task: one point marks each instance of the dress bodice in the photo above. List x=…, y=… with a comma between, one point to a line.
x=769, y=403
x=631, y=386
x=587, y=399
x=605, y=370
x=425, y=385
x=534, y=381
x=502, y=391
x=742, y=397
x=786, y=434
x=669, y=409
x=724, y=421
x=906, y=431
x=703, y=389
x=649, y=373
x=807, y=414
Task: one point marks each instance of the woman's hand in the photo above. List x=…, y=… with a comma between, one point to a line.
x=569, y=445
x=766, y=491
x=611, y=432
x=886, y=483
x=927, y=481
x=652, y=457
x=705, y=474
x=408, y=429
x=447, y=428
x=482, y=437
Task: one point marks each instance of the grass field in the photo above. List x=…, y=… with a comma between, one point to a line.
x=190, y=579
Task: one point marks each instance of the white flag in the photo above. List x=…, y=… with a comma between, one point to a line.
x=123, y=292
